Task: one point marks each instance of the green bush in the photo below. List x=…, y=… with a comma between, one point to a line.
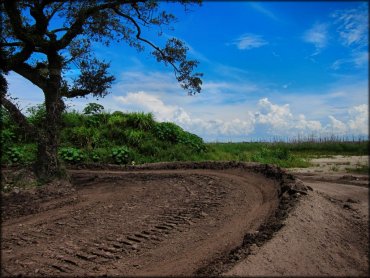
x=121, y=155
x=99, y=155
x=134, y=137
x=15, y=154
x=93, y=109
x=37, y=114
x=141, y=121
x=72, y=119
x=71, y=155
x=167, y=131
x=82, y=136
x=117, y=120
x=193, y=141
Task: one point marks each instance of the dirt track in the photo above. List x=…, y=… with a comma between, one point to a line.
x=163, y=219
x=326, y=234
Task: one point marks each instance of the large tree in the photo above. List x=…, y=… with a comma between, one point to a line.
x=41, y=39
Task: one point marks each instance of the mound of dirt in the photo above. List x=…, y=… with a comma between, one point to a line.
x=155, y=219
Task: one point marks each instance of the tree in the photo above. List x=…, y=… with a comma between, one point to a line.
x=41, y=39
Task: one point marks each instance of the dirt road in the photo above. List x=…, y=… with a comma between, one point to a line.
x=190, y=219
x=326, y=234
x=166, y=219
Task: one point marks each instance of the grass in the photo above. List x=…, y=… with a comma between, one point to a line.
x=360, y=169
x=287, y=155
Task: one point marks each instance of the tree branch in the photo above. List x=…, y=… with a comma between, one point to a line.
x=138, y=36
x=76, y=27
x=18, y=117
x=40, y=18
x=16, y=21
x=18, y=58
x=31, y=74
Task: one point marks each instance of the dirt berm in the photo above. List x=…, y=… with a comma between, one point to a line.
x=154, y=219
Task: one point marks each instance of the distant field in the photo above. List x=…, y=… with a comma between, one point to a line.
x=283, y=154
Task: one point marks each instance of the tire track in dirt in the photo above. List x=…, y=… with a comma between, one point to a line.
x=146, y=221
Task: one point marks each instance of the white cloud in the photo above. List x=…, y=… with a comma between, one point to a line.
x=336, y=126
x=280, y=120
x=142, y=101
x=249, y=41
x=357, y=59
x=274, y=115
x=353, y=25
x=359, y=119
x=318, y=36
x=151, y=103
x=263, y=10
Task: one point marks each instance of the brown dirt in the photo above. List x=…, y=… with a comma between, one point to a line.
x=326, y=234
x=159, y=219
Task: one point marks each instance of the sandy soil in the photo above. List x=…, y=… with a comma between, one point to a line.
x=163, y=219
x=326, y=234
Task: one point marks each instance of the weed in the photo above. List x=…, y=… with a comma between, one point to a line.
x=71, y=155
x=121, y=155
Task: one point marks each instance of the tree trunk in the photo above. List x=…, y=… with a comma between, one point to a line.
x=48, y=166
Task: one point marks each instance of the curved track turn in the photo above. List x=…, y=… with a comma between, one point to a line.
x=161, y=219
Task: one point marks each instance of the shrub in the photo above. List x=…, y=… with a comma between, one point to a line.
x=71, y=155
x=82, y=136
x=141, y=121
x=117, y=120
x=15, y=154
x=121, y=155
x=37, y=114
x=167, y=131
x=93, y=109
x=72, y=119
x=195, y=142
x=99, y=155
x=134, y=137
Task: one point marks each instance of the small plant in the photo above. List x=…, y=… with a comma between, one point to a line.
x=121, y=155
x=71, y=155
x=15, y=154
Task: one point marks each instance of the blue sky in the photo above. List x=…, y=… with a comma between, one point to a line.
x=271, y=69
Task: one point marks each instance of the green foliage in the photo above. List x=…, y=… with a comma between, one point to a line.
x=121, y=155
x=71, y=155
x=15, y=154
x=72, y=119
x=93, y=109
x=193, y=141
x=18, y=154
x=37, y=114
x=140, y=121
x=168, y=132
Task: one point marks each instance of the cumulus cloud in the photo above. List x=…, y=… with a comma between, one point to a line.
x=281, y=121
x=142, y=101
x=277, y=120
x=336, y=126
x=359, y=119
x=318, y=36
x=249, y=41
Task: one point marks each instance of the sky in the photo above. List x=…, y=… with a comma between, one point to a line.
x=271, y=70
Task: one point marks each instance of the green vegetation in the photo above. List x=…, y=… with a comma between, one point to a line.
x=360, y=169
x=136, y=138
x=98, y=136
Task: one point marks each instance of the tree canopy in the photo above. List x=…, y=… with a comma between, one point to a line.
x=42, y=39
